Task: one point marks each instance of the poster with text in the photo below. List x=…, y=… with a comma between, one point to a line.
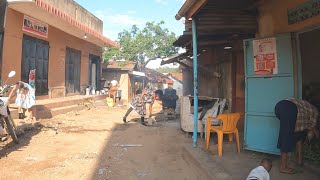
x=34, y=26
x=265, y=56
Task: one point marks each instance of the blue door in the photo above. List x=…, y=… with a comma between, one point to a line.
x=262, y=94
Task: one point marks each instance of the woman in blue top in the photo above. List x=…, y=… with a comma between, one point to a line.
x=25, y=98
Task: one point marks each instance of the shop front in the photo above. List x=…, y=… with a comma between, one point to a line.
x=282, y=62
x=64, y=50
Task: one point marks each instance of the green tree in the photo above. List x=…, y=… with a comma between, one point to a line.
x=143, y=45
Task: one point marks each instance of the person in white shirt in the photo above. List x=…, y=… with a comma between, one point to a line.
x=114, y=82
x=113, y=89
x=262, y=171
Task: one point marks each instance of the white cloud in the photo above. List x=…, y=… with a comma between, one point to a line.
x=132, y=12
x=162, y=2
x=124, y=19
x=113, y=35
x=114, y=23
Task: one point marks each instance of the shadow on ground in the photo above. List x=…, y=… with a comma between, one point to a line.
x=25, y=133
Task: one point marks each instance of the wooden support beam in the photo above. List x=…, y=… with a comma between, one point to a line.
x=195, y=8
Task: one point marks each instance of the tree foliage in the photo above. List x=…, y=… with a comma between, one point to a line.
x=143, y=45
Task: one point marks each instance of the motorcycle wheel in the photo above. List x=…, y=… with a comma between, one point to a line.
x=11, y=129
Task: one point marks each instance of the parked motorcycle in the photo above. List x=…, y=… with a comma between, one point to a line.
x=6, y=120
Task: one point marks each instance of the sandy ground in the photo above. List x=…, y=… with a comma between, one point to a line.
x=85, y=145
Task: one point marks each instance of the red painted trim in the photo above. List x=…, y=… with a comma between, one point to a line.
x=57, y=12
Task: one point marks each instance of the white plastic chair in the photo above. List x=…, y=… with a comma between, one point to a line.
x=215, y=112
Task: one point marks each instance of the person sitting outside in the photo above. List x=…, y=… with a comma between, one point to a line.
x=25, y=99
x=262, y=171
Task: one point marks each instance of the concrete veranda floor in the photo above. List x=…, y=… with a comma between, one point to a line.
x=234, y=166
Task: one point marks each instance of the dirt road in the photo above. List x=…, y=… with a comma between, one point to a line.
x=85, y=145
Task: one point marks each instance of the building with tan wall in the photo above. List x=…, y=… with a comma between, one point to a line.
x=60, y=39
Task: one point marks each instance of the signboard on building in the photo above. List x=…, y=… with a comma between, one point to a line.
x=265, y=56
x=34, y=26
x=304, y=11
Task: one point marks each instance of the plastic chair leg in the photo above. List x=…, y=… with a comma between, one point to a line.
x=238, y=141
x=220, y=142
x=207, y=138
x=204, y=126
x=230, y=137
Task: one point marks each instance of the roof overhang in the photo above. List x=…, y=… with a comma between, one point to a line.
x=55, y=17
x=189, y=8
x=216, y=19
x=174, y=58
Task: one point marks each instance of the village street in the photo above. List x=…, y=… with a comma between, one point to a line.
x=85, y=145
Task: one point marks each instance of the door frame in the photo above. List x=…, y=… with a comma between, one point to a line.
x=42, y=41
x=298, y=59
x=94, y=59
x=266, y=76
x=66, y=91
x=1, y=53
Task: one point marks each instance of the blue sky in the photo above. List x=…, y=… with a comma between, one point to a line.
x=122, y=14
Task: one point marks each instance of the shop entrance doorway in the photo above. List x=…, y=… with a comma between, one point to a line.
x=309, y=43
x=35, y=55
x=73, y=67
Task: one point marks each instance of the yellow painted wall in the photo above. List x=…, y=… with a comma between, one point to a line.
x=273, y=18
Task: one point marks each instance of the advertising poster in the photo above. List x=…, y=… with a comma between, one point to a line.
x=265, y=56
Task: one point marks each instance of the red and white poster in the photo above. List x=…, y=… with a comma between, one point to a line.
x=34, y=26
x=265, y=56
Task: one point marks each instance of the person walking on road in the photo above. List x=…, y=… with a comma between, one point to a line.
x=138, y=104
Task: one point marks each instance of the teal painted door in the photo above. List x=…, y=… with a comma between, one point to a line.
x=262, y=94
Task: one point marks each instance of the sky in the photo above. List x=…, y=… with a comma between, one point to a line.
x=122, y=14
x=118, y=15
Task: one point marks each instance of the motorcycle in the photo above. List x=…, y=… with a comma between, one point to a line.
x=6, y=120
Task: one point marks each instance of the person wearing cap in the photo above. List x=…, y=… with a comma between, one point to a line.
x=25, y=99
x=138, y=104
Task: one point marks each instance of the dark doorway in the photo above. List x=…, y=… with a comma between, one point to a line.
x=1, y=45
x=94, y=71
x=73, y=66
x=35, y=55
x=309, y=51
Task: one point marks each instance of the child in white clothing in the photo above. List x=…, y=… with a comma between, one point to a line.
x=262, y=171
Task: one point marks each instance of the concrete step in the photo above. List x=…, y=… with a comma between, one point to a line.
x=204, y=164
x=49, y=113
x=51, y=107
